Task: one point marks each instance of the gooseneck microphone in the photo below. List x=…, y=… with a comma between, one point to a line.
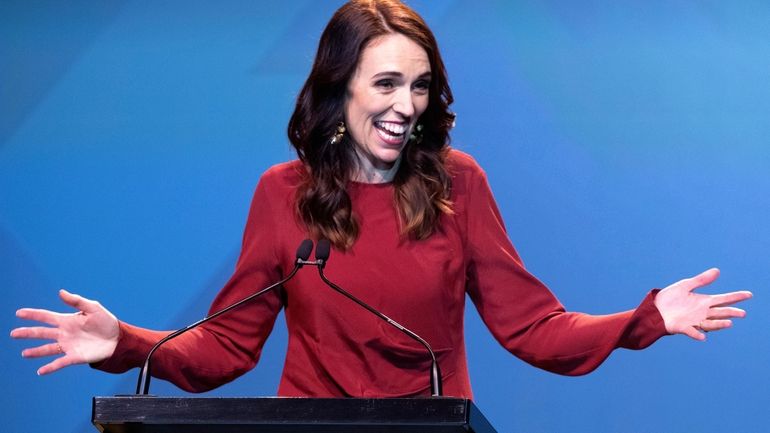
x=303, y=252
x=322, y=252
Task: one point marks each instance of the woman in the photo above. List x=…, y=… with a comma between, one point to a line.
x=415, y=228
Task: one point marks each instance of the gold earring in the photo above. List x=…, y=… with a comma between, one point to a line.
x=416, y=135
x=338, y=134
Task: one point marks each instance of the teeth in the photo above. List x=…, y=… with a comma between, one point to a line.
x=394, y=128
x=388, y=136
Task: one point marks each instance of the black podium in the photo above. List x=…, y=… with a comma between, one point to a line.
x=143, y=414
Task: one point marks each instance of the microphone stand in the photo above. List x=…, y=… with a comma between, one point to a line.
x=322, y=255
x=143, y=384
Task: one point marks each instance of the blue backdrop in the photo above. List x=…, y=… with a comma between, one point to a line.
x=626, y=144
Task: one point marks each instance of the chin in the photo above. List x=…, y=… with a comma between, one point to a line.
x=388, y=157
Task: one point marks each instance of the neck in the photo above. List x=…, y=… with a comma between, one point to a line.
x=366, y=172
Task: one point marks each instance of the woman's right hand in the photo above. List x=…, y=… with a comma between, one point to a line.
x=90, y=335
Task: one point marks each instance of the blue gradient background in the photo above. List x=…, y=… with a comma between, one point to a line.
x=626, y=143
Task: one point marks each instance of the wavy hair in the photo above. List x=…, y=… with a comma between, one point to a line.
x=422, y=183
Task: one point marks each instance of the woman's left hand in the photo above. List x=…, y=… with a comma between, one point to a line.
x=693, y=314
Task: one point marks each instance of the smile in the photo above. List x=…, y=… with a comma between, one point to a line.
x=391, y=132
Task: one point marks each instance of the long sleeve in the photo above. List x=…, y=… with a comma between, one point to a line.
x=524, y=316
x=230, y=345
x=337, y=349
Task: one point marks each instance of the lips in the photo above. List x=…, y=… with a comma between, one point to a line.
x=391, y=133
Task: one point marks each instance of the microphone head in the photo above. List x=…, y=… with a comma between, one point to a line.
x=303, y=252
x=322, y=250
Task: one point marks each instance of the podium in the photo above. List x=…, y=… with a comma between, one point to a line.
x=147, y=414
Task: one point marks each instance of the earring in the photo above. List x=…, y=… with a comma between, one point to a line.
x=340, y=132
x=416, y=135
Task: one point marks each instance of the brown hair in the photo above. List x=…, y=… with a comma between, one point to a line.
x=422, y=184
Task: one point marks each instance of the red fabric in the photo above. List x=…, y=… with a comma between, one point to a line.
x=338, y=349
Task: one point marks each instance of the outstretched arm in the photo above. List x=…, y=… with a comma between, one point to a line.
x=202, y=359
x=89, y=335
x=689, y=313
x=528, y=320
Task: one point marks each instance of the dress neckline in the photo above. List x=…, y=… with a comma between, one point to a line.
x=357, y=184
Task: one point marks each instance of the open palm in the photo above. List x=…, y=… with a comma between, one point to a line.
x=687, y=312
x=90, y=335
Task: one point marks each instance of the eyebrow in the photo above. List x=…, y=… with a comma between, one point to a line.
x=424, y=75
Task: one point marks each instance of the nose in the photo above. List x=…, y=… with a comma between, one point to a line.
x=403, y=103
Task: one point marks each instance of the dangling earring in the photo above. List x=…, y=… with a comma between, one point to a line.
x=337, y=137
x=416, y=135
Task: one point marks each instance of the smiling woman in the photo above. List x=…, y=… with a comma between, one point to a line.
x=416, y=230
x=397, y=90
x=386, y=96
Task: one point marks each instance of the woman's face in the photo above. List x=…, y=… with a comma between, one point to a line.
x=386, y=95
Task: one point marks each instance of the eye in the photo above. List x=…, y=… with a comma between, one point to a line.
x=385, y=84
x=422, y=85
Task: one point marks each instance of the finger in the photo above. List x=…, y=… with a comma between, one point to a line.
x=40, y=351
x=39, y=315
x=725, y=313
x=725, y=299
x=694, y=334
x=715, y=325
x=56, y=364
x=78, y=302
x=37, y=332
x=703, y=279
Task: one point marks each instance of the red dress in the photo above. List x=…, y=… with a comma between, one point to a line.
x=336, y=348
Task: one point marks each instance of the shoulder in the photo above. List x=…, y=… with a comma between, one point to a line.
x=283, y=176
x=464, y=170
x=278, y=184
x=461, y=164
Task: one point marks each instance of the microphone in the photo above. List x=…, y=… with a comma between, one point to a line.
x=322, y=252
x=303, y=252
